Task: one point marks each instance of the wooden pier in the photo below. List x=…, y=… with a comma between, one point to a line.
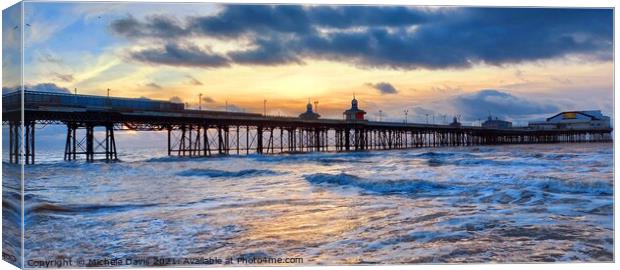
x=205, y=133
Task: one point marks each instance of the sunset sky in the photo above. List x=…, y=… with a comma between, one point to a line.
x=518, y=64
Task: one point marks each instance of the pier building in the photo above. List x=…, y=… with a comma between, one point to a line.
x=354, y=113
x=309, y=114
x=574, y=120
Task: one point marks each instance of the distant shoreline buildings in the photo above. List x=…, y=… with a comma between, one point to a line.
x=593, y=119
x=574, y=120
x=496, y=123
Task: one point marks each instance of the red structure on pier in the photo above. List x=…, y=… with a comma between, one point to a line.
x=354, y=114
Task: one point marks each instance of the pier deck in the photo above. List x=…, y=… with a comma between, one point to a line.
x=205, y=133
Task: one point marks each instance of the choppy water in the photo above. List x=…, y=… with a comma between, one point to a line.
x=522, y=203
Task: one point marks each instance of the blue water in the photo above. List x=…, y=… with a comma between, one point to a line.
x=521, y=203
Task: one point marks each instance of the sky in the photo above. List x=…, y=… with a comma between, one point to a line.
x=519, y=64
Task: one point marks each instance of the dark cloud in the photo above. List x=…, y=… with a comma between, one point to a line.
x=383, y=88
x=63, y=77
x=181, y=55
x=236, y=20
x=368, y=16
x=153, y=85
x=193, y=81
x=267, y=52
x=154, y=26
x=392, y=37
x=41, y=87
x=208, y=99
x=484, y=102
x=176, y=99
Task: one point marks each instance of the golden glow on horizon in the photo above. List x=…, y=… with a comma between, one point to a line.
x=288, y=87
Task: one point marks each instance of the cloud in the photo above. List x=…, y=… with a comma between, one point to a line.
x=7, y=89
x=208, y=99
x=422, y=115
x=235, y=20
x=193, y=81
x=153, y=85
x=48, y=87
x=561, y=80
x=383, y=88
x=382, y=37
x=155, y=26
x=181, y=55
x=446, y=89
x=267, y=52
x=41, y=87
x=63, y=77
x=176, y=99
x=230, y=108
x=48, y=57
x=497, y=103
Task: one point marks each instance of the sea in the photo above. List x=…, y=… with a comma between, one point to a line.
x=500, y=204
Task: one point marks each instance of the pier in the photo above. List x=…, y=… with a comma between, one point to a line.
x=92, y=121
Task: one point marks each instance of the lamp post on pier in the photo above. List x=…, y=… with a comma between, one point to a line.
x=406, y=113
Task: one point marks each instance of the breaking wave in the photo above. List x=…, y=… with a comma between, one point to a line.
x=48, y=207
x=378, y=186
x=556, y=185
x=220, y=173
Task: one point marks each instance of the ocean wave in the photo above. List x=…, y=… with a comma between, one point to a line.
x=378, y=186
x=603, y=210
x=48, y=207
x=433, y=154
x=220, y=173
x=472, y=161
x=11, y=210
x=422, y=237
x=320, y=157
x=541, y=232
x=172, y=159
x=556, y=185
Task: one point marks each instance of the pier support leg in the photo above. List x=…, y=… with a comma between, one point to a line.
x=317, y=139
x=347, y=139
x=89, y=146
x=110, y=150
x=29, y=142
x=21, y=151
x=259, y=140
x=169, y=128
x=14, y=138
